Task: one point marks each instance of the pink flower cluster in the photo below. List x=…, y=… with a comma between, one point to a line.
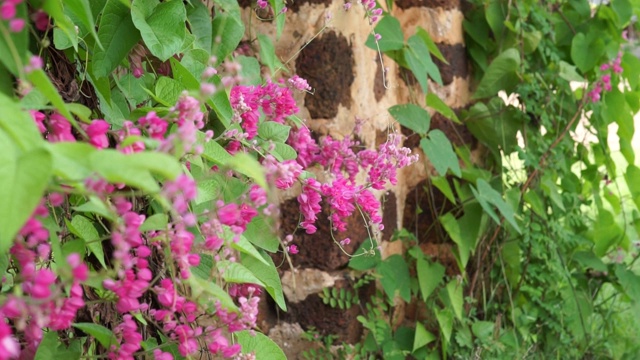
x=604, y=83
x=299, y=83
x=276, y=102
x=371, y=11
x=341, y=193
x=44, y=303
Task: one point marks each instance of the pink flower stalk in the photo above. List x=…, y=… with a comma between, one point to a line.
x=309, y=200
x=299, y=83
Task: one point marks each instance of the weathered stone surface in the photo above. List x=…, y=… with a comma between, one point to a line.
x=327, y=64
x=458, y=66
x=312, y=312
x=445, y=4
x=318, y=250
x=299, y=284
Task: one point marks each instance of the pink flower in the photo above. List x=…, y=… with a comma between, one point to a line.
x=309, y=201
x=39, y=118
x=293, y=249
x=9, y=347
x=16, y=25
x=7, y=10
x=59, y=129
x=97, y=132
x=137, y=72
x=41, y=20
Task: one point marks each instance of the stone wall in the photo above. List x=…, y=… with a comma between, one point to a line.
x=348, y=83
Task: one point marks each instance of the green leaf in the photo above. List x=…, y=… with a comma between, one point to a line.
x=464, y=232
x=429, y=276
x=439, y=151
x=433, y=101
x=392, y=38
x=22, y=185
x=247, y=165
x=441, y=183
x=227, y=33
x=117, y=35
x=199, y=18
x=168, y=90
x=161, y=25
x=244, y=246
x=207, y=292
x=368, y=260
x=624, y=11
x=586, y=51
x=500, y=75
x=631, y=176
x=445, y=321
x=631, y=69
x=412, y=117
x=483, y=330
x=452, y=295
x=273, y=131
x=260, y=233
x=495, y=125
x=84, y=229
x=568, y=72
x=278, y=7
x=606, y=232
x=72, y=160
x=81, y=10
x=268, y=54
x=431, y=45
x=155, y=222
x=283, y=152
x=219, y=101
x=629, y=281
x=55, y=10
x=250, y=70
x=234, y=272
x=47, y=350
x=422, y=337
x=213, y=151
x=104, y=336
x=487, y=196
x=18, y=125
x=135, y=169
x=419, y=60
x=395, y=277
x=265, y=271
x=261, y=345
